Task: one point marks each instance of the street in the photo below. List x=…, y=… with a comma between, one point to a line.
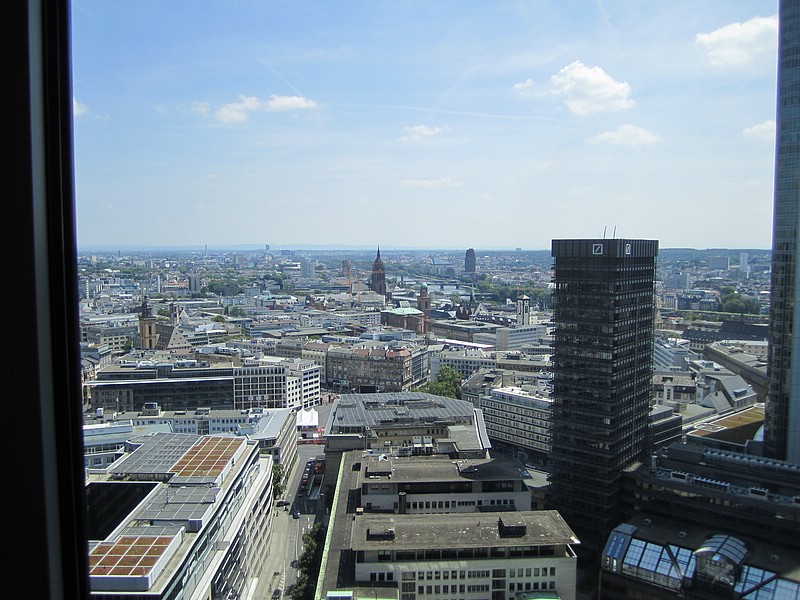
x=285, y=545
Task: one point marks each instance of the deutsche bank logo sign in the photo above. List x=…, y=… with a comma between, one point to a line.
x=597, y=248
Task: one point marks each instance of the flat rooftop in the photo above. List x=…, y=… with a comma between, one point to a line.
x=397, y=408
x=151, y=524
x=736, y=428
x=435, y=469
x=461, y=530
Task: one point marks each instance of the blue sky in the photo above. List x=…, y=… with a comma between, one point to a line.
x=486, y=124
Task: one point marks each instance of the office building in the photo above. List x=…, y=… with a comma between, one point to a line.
x=460, y=555
x=181, y=516
x=519, y=420
x=437, y=484
x=189, y=384
x=514, y=337
x=428, y=527
x=469, y=261
x=603, y=303
x=466, y=361
x=751, y=497
x=377, y=367
x=782, y=426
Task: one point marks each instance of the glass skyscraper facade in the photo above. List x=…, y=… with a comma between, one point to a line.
x=603, y=308
x=782, y=425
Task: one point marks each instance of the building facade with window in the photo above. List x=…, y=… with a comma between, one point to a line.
x=782, y=425
x=603, y=303
x=520, y=420
x=501, y=556
x=439, y=485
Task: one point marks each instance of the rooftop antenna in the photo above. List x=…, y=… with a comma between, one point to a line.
x=604, y=231
x=615, y=232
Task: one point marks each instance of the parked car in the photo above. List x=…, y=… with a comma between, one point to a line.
x=282, y=502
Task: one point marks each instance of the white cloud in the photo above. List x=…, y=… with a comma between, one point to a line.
x=78, y=109
x=588, y=90
x=430, y=183
x=418, y=132
x=739, y=44
x=279, y=103
x=525, y=88
x=201, y=108
x=762, y=131
x=237, y=112
x=628, y=135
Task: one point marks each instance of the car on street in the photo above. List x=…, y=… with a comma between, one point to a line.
x=282, y=502
x=296, y=514
x=277, y=593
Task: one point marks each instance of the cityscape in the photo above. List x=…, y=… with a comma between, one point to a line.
x=606, y=403
x=419, y=367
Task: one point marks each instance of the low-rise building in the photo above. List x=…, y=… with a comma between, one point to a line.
x=514, y=337
x=466, y=361
x=189, y=384
x=275, y=431
x=377, y=367
x=465, y=331
x=434, y=552
x=437, y=485
x=519, y=420
x=503, y=556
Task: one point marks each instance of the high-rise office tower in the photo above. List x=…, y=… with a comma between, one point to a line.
x=782, y=418
x=306, y=268
x=603, y=309
x=377, y=282
x=469, y=261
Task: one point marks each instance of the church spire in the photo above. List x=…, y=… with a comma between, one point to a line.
x=378, y=280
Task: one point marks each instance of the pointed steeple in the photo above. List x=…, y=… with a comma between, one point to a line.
x=378, y=279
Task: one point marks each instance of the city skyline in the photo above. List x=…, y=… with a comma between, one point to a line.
x=248, y=124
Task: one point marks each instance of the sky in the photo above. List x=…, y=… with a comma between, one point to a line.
x=432, y=124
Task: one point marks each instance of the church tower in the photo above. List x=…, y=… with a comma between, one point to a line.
x=424, y=300
x=377, y=282
x=523, y=310
x=148, y=338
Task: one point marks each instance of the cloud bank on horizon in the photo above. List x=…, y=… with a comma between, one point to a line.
x=490, y=125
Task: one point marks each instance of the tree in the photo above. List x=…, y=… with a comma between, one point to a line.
x=278, y=485
x=447, y=384
x=309, y=563
x=734, y=305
